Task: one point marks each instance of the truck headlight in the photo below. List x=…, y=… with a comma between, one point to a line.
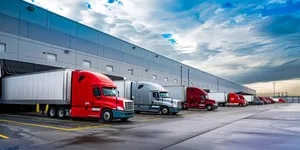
x=119, y=108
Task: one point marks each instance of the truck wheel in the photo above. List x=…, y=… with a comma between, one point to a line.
x=124, y=119
x=209, y=108
x=241, y=105
x=52, y=112
x=165, y=110
x=107, y=116
x=61, y=113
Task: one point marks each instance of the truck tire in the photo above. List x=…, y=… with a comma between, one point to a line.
x=52, y=112
x=164, y=110
x=107, y=116
x=209, y=108
x=61, y=113
x=241, y=105
x=124, y=119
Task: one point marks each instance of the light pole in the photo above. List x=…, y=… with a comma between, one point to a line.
x=274, y=88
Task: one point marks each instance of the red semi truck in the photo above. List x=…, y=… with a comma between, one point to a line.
x=243, y=98
x=227, y=99
x=264, y=99
x=68, y=92
x=192, y=97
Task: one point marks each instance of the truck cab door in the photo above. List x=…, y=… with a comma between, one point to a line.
x=156, y=101
x=95, y=102
x=201, y=101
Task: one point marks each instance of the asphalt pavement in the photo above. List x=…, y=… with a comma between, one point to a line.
x=274, y=127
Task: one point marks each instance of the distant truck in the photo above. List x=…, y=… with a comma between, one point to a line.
x=227, y=99
x=68, y=92
x=257, y=101
x=264, y=100
x=249, y=99
x=148, y=97
x=192, y=97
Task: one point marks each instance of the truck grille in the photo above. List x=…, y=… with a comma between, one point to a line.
x=129, y=106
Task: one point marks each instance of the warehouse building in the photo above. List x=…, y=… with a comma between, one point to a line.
x=34, y=39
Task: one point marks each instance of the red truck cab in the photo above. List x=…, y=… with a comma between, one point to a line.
x=198, y=98
x=264, y=100
x=243, y=98
x=270, y=99
x=95, y=95
x=281, y=100
x=235, y=100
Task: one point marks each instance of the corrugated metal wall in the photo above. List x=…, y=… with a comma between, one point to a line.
x=33, y=36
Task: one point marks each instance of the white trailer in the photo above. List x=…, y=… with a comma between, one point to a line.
x=275, y=99
x=221, y=98
x=249, y=99
x=177, y=92
x=50, y=87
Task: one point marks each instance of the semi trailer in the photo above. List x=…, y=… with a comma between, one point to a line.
x=192, y=97
x=227, y=99
x=74, y=93
x=249, y=99
x=148, y=97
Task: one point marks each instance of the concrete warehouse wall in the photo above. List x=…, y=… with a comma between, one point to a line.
x=42, y=37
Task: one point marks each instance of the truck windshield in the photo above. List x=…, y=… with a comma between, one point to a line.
x=109, y=92
x=164, y=94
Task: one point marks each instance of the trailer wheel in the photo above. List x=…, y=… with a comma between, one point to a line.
x=241, y=105
x=61, y=113
x=107, y=116
x=52, y=112
x=209, y=108
x=164, y=110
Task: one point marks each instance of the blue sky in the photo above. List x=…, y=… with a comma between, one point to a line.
x=252, y=42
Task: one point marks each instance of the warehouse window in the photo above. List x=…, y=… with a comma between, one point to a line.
x=154, y=77
x=110, y=68
x=51, y=57
x=166, y=79
x=86, y=64
x=2, y=47
x=175, y=80
x=130, y=71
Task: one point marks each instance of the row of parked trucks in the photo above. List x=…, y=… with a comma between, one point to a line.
x=86, y=94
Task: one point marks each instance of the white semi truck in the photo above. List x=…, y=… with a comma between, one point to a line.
x=148, y=97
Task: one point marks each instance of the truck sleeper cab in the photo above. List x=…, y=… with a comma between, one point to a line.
x=192, y=97
x=148, y=97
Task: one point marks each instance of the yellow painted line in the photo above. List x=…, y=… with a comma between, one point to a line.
x=42, y=118
x=3, y=136
x=53, y=127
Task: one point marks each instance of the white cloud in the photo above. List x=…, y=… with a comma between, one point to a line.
x=205, y=37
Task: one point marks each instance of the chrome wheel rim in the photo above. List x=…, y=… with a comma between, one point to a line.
x=165, y=110
x=52, y=112
x=61, y=113
x=106, y=115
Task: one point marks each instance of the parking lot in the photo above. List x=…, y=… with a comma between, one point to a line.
x=274, y=126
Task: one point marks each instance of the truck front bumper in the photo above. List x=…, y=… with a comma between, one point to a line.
x=174, y=110
x=215, y=106
x=122, y=114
